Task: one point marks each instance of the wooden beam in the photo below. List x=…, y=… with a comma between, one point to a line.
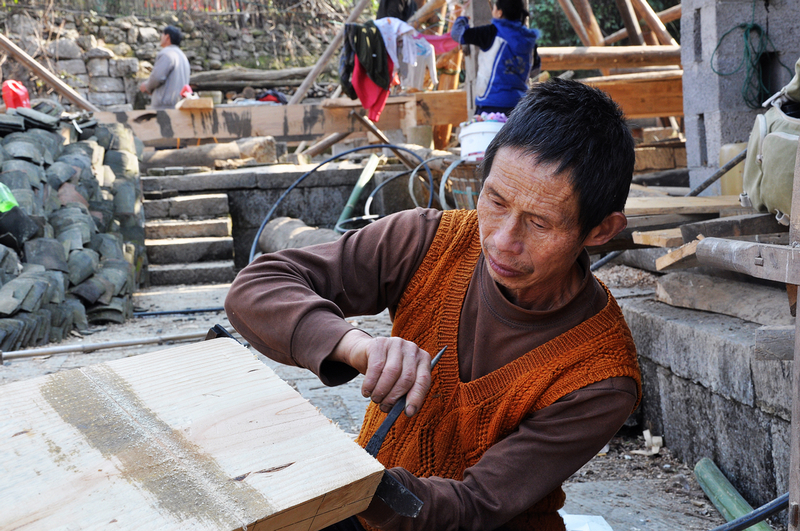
x=324, y=144
x=332, y=48
x=593, y=57
x=424, y=12
x=771, y=262
x=642, y=206
x=751, y=224
x=48, y=77
x=659, y=238
x=575, y=21
x=646, y=98
x=668, y=15
x=631, y=22
x=653, y=22
x=382, y=137
x=201, y=437
x=682, y=257
x=589, y=22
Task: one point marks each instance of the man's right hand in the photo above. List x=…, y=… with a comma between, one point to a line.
x=392, y=367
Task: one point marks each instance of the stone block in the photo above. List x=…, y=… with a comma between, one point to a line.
x=97, y=68
x=123, y=67
x=133, y=35
x=64, y=49
x=108, y=84
x=188, y=229
x=122, y=49
x=107, y=98
x=216, y=272
x=87, y=42
x=71, y=67
x=148, y=34
x=77, y=81
x=99, y=52
x=112, y=35
x=189, y=250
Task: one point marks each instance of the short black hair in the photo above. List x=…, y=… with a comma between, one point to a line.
x=512, y=9
x=175, y=35
x=583, y=131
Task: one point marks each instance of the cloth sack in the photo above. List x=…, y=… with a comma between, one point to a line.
x=771, y=153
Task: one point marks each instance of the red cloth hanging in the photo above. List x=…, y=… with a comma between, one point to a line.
x=373, y=98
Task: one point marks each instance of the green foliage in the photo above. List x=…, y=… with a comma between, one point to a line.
x=548, y=16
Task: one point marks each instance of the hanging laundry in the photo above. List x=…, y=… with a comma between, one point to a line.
x=441, y=43
x=373, y=97
x=414, y=76
x=393, y=29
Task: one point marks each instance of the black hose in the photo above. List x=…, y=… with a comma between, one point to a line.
x=758, y=515
x=300, y=179
x=371, y=196
x=340, y=224
x=176, y=312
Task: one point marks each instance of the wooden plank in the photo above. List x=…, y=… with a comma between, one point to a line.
x=682, y=257
x=696, y=291
x=646, y=98
x=592, y=57
x=644, y=206
x=746, y=225
x=774, y=342
x=48, y=77
x=659, y=238
x=201, y=437
x=441, y=107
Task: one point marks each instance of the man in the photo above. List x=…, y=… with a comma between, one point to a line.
x=540, y=370
x=170, y=72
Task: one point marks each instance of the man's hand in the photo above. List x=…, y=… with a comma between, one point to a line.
x=392, y=367
x=143, y=87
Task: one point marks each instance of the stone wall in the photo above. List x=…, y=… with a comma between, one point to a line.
x=105, y=59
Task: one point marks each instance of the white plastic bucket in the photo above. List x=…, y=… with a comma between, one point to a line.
x=475, y=138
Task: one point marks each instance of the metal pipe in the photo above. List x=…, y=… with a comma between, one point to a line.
x=91, y=347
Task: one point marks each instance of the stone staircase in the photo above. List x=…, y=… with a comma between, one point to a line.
x=188, y=239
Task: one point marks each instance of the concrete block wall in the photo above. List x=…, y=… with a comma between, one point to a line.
x=714, y=111
x=708, y=396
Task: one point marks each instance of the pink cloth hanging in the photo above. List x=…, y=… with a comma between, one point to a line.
x=441, y=43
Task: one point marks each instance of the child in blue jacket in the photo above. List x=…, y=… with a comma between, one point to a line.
x=507, y=55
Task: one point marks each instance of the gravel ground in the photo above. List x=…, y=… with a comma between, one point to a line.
x=632, y=492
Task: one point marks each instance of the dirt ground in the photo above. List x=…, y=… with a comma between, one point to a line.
x=632, y=492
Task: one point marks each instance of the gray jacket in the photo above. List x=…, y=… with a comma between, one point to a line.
x=170, y=73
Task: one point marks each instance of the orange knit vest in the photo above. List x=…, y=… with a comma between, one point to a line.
x=459, y=421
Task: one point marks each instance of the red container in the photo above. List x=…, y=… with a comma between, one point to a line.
x=15, y=94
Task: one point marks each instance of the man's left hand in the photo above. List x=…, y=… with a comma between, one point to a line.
x=143, y=88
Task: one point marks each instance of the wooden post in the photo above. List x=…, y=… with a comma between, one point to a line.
x=575, y=21
x=48, y=77
x=589, y=22
x=448, y=80
x=653, y=22
x=631, y=22
x=301, y=91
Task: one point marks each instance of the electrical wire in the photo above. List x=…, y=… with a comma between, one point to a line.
x=300, y=179
x=756, y=44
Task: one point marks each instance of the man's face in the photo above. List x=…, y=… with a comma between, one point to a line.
x=528, y=218
x=165, y=40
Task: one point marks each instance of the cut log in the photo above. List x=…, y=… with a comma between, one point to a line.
x=575, y=21
x=631, y=21
x=682, y=257
x=289, y=233
x=643, y=206
x=202, y=437
x=262, y=149
x=237, y=78
x=747, y=225
x=593, y=57
x=653, y=22
x=659, y=238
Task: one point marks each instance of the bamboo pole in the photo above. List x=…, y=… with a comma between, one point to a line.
x=666, y=16
x=48, y=77
x=575, y=21
x=631, y=22
x=592, y=57
x=653, y=22
x=301, y=91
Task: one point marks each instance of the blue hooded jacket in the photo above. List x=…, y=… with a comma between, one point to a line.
x=504, y=68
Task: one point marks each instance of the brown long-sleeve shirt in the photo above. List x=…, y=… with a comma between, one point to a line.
x=291, y=305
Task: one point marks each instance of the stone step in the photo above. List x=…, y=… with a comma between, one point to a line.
x=202, y=206
x=217, y=272
x=168, y=228
x=183, y=250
